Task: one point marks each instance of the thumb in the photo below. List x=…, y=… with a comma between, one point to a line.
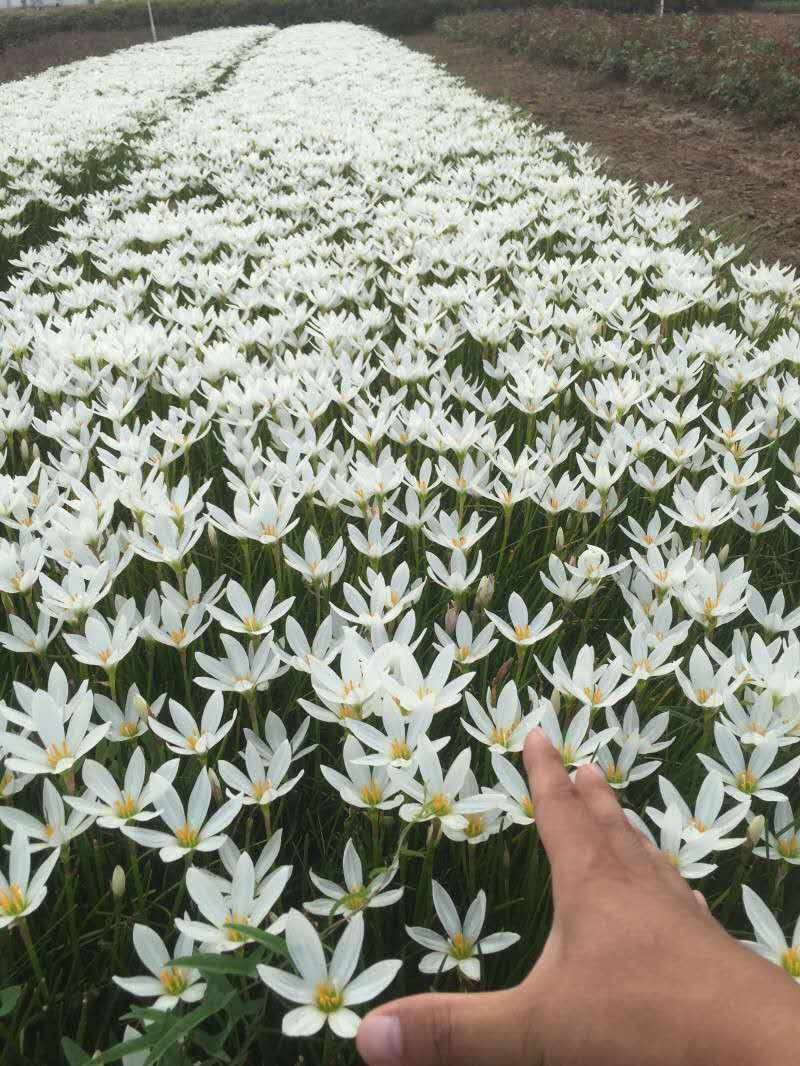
x=448, y=1030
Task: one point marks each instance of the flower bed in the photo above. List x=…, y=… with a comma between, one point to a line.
x=357, y=429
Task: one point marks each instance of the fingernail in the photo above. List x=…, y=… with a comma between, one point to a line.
x=380, y=1040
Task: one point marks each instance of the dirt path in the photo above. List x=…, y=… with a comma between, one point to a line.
x=746, y=176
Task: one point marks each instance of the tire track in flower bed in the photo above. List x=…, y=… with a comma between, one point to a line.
x=746, y=176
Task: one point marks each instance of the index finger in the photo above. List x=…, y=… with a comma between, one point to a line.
x=564, y=822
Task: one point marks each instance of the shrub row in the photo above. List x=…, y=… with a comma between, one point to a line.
x=391, y=16
x=726, y=61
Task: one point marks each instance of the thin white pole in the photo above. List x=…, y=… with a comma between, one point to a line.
x=152, y=23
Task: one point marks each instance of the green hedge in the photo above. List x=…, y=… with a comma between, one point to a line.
x=391, y=16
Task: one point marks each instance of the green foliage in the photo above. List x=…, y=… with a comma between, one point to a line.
x=720, y=61
x=390, y=16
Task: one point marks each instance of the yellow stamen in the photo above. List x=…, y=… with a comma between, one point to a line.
x=460, y=947
x=439, y=804
x=173, y=980
x=125, y=807
x=187, y=836
x=746, y=782
x=12, y=901
x=790, y=961
x=372, y=793
x=233, y=934
x=400, y=750
x=57, y=752
x=327, y=997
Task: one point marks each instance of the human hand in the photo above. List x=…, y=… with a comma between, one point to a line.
x=635, y=970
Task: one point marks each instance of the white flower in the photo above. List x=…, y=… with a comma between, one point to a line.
x=21, y=894
x=355, y=896
x=191, y=831
x=263, y=783
x=327, y=991
x=754, y=779
x=189, y=738
x=59, y=748
x=169, y=984
x=113, y=806
x=770, y=942
x=463, y=946
x=523, y=631
x=247, y=903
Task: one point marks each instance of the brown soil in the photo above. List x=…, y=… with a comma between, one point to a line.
x=20, y=61
x=746, y=176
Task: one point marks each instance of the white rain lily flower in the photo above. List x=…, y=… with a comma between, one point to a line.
x=131, y=722
x=25, y=640
x=707, y=816
x=502, y=727
x=327, y=991
x=469, y=646
x=480, y=826
x=463, y=946
x=355, y=896
x=437, y=795
x=753, y=779
x=762, y=721
x=264, y=782
x=255, y=620
x=77, y=594
x=242, y=670
x=397, y=743
x=191, y=830
x=705, y=686
x=593, y=685
x=247, y=903
x=648, y=737
x=316, y=569
x=59, y=748
x=578, y=744
x=513, y=792
x=275, y=734
x=21, y=894
x=524, y=631
x=783, y=843
x=189, y=738
x=569, y=589
x=377, y=542
x=368, y=788
x=324, y=648
x=457, y=578
x=168, y=984
x=416, y=692
x=103, y=645
x=621, y=770
x=360, y=678
x=113, y=806
x=56, y=831
x=770, y=942
x=772, y=619
x=684, y=856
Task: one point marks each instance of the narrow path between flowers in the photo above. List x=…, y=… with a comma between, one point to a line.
x=746, y=176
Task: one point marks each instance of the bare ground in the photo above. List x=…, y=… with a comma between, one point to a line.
x=747, y=176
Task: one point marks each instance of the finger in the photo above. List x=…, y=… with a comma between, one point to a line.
x=619, y=837
x=565, y=826
x=447, y=1030
x=663, y=868
x=701, y=901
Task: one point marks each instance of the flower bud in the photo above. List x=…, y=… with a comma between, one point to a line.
x=118, y=883
x=450, y=619
x=555, y=699
x=216, y=787
x=35, y=451
x=754, y=830
x=211, y=531
x=483, y=597
x=724, y=552
x=24, y=450
x=560, y=539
